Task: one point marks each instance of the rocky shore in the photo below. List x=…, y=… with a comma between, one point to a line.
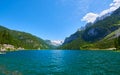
x=8, y=47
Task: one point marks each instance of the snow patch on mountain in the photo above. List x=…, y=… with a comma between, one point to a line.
x=56, y=42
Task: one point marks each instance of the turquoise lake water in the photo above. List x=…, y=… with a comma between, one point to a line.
x=60, y=62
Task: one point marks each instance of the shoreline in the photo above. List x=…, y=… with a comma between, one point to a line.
x=109, y=49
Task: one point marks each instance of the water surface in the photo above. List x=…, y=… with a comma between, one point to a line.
x=60, y=62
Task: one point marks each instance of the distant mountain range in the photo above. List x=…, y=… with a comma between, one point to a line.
x=12, y=40
x=98, y=35
x=55, y=43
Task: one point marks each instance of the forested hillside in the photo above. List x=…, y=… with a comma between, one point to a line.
x=20, y=39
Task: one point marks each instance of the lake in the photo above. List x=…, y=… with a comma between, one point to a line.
x=60, y=62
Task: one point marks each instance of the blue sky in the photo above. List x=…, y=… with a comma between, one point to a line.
x=48, y=19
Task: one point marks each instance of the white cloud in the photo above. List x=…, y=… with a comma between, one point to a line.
x=113, y=6
x=91, y=17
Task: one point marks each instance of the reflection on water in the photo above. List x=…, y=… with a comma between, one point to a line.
x=60, y=62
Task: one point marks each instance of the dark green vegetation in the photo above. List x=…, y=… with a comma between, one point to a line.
x=100, y=35
x=21, y=39
x=117, y=43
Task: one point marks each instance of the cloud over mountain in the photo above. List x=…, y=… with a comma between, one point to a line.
x=91, y=17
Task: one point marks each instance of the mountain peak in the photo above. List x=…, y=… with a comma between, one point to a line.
x=54, y=42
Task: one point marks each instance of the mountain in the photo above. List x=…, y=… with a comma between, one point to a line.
x=55, y=43
x=11, y=39
x=93, y=36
